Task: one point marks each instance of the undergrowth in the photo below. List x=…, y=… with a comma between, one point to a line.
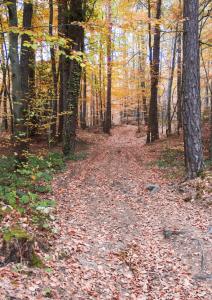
x=172, y=162
x=172, y=159
x=26, y=189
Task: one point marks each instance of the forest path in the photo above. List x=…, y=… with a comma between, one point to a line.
x=111, y=243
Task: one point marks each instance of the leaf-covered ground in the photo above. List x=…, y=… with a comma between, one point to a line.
x=114, y=239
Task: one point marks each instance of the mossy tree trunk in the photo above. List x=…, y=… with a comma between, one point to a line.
x=74, y=15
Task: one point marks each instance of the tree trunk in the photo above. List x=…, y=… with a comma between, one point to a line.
x=97, y=100
x=169, y=93
x=4, y=91
x=19, y=105
x=25, y=55
x=153, y=131
x=75, y=33
x=84, y=102
x=210, y=147
x=150, y=33
x=108, y=119
x=63, y=72
x=142, y=67
x=150, y=56
x=27, y=66
x=54, y=76
x=179, y=73
x=7, y=83
x=191, y=91
x=100, y=82
x=179, y=83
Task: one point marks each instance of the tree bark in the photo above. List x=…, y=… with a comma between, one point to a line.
x=153, y=131
x=191, y=91
x=84, y=102
x=108, y=119
x=54, y=76
x=4, y=91
x=101, y=84
x=210, y=147
x=142, y=67
x=179, y=83
x=19, y=105
x=63, y=74
x=27, y=67
x=75, y=32
x=169, y=93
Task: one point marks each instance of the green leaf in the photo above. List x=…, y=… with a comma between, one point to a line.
x=25, y=199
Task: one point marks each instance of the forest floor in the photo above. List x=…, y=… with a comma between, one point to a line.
x=116, y=239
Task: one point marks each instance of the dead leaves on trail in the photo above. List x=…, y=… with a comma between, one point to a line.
x=109, y=242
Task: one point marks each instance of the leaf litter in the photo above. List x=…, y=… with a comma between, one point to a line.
x=109, y=238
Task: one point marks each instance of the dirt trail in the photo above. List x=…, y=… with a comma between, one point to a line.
x=113, y=233
x=110, y=242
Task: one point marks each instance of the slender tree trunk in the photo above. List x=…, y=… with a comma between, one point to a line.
x=97, y=100
x=209, y=88
x=4, y=92
x=169, y=93
x=84, y=101
x=54, y=76
x=206, y=102
x=93, y=106
x=62, y=31
x=150, y=33
x=179, y=83
x=210, y=147
x=153, y=131
x=179, y=73
x=100, y=83
x=108, y=119
x=143, y=85
x=7, y=83
x=191, y=91
x=150, y=56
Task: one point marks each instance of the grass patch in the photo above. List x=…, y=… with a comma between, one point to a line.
x=172, y=159
x=77, y=156
x=208, y=164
